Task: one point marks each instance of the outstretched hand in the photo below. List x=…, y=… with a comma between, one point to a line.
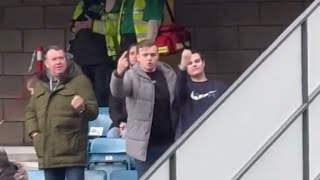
x=123, y=64
x=185, y=59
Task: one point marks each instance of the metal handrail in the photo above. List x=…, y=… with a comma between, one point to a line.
x=317, y=177
x=261, y=59
x=299, y=111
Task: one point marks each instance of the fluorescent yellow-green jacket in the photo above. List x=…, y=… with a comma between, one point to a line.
x=107, y=26
x=140, y=26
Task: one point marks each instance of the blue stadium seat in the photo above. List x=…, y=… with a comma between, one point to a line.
x=35, y=175
x=102, y=123
x=95, y=175
x=108, y=155
x=89, y=175
x=123, y=175
x=103, y=110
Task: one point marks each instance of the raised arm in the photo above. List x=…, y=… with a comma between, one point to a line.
x=181, y=90
x=121, y=81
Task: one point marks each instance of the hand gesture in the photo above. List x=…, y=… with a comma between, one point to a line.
x=88, y=23
x=123, y=64
x=77, y=103
x=185, y=59
x=76, y=29
x=78, y=25
x=122, y=127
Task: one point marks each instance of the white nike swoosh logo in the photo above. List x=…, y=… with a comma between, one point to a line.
x=200, y=96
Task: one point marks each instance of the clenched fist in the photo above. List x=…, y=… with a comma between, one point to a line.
x=185, y=59
x=77, y=103
x=123, y=64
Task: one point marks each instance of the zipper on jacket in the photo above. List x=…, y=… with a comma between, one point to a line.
x=46, y=160
x=150, y=124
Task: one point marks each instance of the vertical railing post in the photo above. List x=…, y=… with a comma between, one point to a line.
x=305, y=99
x=173, y=167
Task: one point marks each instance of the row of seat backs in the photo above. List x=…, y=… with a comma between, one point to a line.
x=100, y=126
x=92, y=175
x=108, y=154
x=102, y=150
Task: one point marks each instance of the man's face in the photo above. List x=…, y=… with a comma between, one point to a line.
x=56, y=62
x=148, y=58
x=133, y=55
x=196, y=66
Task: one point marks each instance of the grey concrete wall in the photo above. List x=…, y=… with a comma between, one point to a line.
x=25, y=25
x=233, y=33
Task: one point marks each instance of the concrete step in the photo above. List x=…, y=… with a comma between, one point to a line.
x=23, y=157
x=30, y=165
x=21, y=153
x=19, y=149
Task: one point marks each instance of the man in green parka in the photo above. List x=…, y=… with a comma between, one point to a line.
x=57, y=117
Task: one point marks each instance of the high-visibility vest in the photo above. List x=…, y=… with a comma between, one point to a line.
x=140, y=26
x=107, y=26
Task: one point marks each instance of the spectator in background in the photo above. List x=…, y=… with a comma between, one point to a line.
x=139, y=20
x=94, y=24
x=194, y=92
x=57, y=117
x=117, y=105
x=149, y=91
x=11, y=170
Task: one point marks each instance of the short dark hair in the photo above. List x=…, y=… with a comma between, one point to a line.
x=145, y=43
x=193, y=51
x=131, y=46
x=52, y=47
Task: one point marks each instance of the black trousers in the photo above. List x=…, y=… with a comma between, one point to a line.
x=99, y=75
x=68, y=173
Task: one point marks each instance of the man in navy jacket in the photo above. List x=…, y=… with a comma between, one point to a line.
x=194, y=92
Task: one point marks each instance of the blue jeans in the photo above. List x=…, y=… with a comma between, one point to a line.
x=153, y=154
x=67, y=173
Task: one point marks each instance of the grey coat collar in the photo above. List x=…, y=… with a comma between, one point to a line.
x=164, y=68
x=168, y=73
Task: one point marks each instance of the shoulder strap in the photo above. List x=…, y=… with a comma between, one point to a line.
x=173, y=20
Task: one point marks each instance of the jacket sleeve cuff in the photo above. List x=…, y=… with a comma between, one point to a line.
x=82, y=110
x=98, y=27
x=30, y=134
x=117, y=75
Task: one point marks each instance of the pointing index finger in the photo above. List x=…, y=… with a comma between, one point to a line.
x=124, y=55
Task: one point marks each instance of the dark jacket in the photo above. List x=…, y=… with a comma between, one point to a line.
x=62, y=138
x=89, y=48
x=194, y=98
x=117, y=110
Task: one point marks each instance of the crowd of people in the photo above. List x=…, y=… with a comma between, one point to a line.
x=115, y=64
